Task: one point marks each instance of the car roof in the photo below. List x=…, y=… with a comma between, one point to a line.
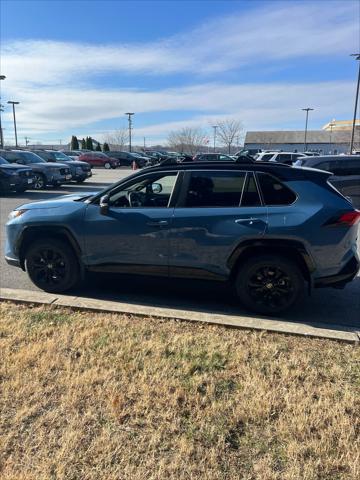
x=332, y=158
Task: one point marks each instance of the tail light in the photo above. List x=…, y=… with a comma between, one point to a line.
x=344, y=219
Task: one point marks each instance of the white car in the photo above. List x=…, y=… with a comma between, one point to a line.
x=282, y=157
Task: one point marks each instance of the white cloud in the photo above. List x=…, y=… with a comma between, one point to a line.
x=56, y=81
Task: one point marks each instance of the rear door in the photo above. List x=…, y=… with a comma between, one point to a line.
x=217, y=210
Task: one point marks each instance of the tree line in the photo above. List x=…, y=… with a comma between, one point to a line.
x=88, y=144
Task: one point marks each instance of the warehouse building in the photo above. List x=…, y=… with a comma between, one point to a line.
x=331, y=140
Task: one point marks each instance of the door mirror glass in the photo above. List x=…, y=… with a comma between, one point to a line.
x=104, y=204
x=156, y=187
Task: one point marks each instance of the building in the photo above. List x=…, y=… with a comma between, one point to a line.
x=336, y=125
x=322, y=141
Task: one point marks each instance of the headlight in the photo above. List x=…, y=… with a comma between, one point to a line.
x=16, y=213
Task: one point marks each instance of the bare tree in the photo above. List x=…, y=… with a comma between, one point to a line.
x=187, y=140
x=229, y=131
x=117, y=139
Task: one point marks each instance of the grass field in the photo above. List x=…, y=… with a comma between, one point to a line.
x=107, y=397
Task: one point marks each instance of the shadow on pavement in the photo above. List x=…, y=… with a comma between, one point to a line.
x=322, y=307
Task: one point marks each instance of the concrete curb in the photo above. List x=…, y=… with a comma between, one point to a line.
x=331, y=332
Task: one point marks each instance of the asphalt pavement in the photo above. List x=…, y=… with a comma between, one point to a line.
x=330, y=306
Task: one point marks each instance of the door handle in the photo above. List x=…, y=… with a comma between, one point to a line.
x=160, y=223
x=249, y=221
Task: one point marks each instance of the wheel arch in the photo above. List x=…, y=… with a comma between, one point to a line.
x=36, y=232
x=291, y=249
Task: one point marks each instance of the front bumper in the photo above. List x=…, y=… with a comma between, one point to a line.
x=82, y=176
x=13, y=183
x=57, y=179
x=346, y=275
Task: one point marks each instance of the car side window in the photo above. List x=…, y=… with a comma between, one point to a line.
x=267, y=157
x=323, y=166
x=153, y=191
x=274, y=192
x=345, y=168
x=251, y=196
x=284, y=157
x=215, y=189
x=11, y=157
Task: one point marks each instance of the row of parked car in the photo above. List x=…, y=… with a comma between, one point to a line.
x=21, y=170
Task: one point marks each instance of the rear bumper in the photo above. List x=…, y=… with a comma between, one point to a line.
x=346, y=274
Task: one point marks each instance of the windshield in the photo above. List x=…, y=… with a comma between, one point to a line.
x=61, y=156
x=31, y=157
x=3, y=161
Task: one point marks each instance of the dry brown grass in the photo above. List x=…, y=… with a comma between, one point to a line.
x=111, y=397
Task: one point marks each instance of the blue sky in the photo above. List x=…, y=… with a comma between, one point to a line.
x=77, y=66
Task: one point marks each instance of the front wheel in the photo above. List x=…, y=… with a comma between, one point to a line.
x=39, y=181
x=107, y=165
x=269, y=284
x=52, y=265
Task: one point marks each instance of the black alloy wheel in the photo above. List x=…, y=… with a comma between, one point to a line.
x=39, y=182
x=52, y=265
x=269, y=284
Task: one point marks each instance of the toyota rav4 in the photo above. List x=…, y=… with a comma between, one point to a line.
x=269, y=230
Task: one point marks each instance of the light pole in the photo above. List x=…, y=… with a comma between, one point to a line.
x=331, y=124
x=13, y=106
x=129, y=114
x=215, y=127
x=307, y=110
x=2, y=77
x=357, y=57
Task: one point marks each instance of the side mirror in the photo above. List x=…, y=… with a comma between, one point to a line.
x=104, y=205
x=156, y=188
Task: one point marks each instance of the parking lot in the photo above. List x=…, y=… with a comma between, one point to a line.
x=328, y=306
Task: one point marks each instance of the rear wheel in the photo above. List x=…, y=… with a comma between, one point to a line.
x=39, y=182
x=269, y=284
x=52, y=265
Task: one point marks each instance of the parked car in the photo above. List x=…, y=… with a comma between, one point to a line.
x=282, y=157
x=98, y=159
x=345, y=170
x=268, y=229
x=213, y=157
x=312, y=154
x=73, y=154
x=14, y=178
x=80, y=171
x=251, y=152
x=44, y=173
x=126, y=159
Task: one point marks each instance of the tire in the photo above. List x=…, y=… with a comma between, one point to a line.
x=107, y=165
x=80, y=181
x=52, y=265
x=269, y=284
x=39, y=182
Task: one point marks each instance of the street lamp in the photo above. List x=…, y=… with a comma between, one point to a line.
x=13, y=106
x=215, y=127
x=357, y=57
x=331, y=124
x=2, y=77
x=307, y=110
x=129, y=114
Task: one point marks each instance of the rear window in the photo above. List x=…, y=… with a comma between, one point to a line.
x=274, y=192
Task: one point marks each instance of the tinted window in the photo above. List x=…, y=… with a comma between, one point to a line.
x=274, y=192
x=344, y=168
x=267, y=157
x=11, y=156
x=225, y=158
x=251, y=197
x=215, y=189
x=45, y=155
x=31, y=157
x=283, y=157
x=323, y=166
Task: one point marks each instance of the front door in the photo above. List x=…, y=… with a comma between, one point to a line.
x=133, y=235
x=219, y=210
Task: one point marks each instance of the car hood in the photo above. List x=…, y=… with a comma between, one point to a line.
x=52, y=164
x=57, y=202
x=14, y=167
x=76, y=163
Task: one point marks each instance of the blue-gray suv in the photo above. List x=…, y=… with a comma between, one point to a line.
x=269, y=230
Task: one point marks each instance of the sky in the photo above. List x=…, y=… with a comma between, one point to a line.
x=76, y=67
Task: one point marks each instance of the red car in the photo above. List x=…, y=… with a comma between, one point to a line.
x=99, y=159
